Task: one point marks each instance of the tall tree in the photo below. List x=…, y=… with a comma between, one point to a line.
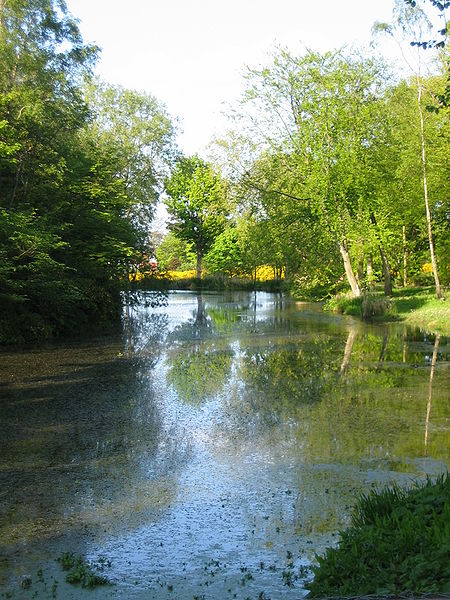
x=411, y=23
x=318, y=112
x=196, y=202
x=139, y=133
x=66, y=232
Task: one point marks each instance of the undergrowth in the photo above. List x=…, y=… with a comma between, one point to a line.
x=398, y=542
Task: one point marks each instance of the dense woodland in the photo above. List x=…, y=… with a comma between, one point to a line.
x=334, y=173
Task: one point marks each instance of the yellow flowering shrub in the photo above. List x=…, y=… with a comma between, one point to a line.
x=263, y=273
x=426, y=268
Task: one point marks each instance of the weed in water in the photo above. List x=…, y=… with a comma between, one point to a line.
x=25, y=582
x=288, y=578
x=303, y=571
x=81, y=571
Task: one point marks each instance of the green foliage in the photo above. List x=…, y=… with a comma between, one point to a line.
x=397, y=543
x=175, y=254
x=81, y=571
x=196, y=203
x=72, y=192
x=225, y=255
x=328, y=167
x=137, y=132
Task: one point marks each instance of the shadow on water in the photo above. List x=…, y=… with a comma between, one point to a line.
x=80, y=439
x=221, y=433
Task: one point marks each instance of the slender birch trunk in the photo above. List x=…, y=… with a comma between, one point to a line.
x=405, y=259
x=370, y=271
x=361, y=271
x=386, y=273
x=425, y=189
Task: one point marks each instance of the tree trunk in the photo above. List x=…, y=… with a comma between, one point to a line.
x=198, y=273
x=384, y=260
x=370, y=271
x=405, y=259
x=200, y=319
x=425, y=189
x=356, y=291
x=383, y=352
x=361, y=270
x=386, y=273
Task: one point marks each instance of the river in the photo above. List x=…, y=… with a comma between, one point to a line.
x=211, y=447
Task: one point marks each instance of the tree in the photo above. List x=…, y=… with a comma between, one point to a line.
x=174, y=253
x=139, y=133
x=67, y=232
x=440, y=35
x=410, y=21
x=196, y=203
x=317, y=115
x=225, y=255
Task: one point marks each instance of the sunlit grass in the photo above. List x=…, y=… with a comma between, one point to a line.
x=420, y=307
x=417, y=306
x=397, y=543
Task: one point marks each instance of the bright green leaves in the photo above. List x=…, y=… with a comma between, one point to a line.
x=225, y=255
x=197, y=204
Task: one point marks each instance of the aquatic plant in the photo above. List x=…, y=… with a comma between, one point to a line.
x=79, y=570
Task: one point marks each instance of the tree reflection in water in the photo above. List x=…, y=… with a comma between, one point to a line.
x=198, y=362
x=430, y=389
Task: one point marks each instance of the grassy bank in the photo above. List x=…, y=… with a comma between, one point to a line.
x=397, y=543
x=416, y=306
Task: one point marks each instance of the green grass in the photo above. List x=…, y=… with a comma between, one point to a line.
x=417, y=306
x=421, y=308
x=398, y=543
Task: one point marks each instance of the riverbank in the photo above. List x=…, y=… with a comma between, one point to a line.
x=418, y=307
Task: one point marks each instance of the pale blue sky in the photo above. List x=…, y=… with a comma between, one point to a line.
x=190, y=54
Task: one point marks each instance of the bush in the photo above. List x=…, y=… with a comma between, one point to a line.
x=367, y=306
x=374, y=306
x=398, y=543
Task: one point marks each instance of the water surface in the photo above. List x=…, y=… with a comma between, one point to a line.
x=210, y=449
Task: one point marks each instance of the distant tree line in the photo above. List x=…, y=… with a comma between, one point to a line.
x=335, y=174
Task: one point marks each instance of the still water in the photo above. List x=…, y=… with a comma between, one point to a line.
x=212, y=447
